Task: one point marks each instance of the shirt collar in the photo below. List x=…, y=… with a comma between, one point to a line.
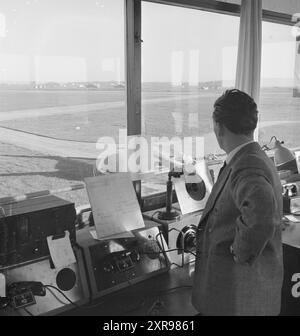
x=236, y=150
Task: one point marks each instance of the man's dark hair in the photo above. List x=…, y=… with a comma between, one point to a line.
x=237, y=111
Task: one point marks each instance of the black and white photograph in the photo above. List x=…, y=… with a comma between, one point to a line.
x=149, y=161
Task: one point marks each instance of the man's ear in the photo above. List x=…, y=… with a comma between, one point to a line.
x=219, y=130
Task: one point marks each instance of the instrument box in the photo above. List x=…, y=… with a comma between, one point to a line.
x=25, y=225
x=113, y=264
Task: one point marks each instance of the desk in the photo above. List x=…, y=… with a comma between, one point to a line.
x=138, y=299
x=290, y=301
x=291, y=235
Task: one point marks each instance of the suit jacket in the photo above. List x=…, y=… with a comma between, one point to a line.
x=244, y=210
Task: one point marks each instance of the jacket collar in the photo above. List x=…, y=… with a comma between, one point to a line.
x=236, y=150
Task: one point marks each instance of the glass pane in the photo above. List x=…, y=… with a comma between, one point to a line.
x=287, y=6
x=61, y=89
x=188, y=59
x=280, y=86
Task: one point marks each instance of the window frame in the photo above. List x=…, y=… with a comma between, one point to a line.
x=225, y=8
x=133, y=66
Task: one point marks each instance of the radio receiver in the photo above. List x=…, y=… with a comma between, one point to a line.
x=117, y=263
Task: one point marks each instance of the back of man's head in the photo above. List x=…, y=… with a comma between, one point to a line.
x=237, y=111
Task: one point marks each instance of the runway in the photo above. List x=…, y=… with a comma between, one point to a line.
x=65, y=148
x=75, y=109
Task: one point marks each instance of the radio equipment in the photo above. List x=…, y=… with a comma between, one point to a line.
x=25, y=225
x=118, y=263
x=291, y=205
x=34, y=286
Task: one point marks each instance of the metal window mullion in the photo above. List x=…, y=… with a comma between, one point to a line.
x=133, y=65
x=225, y=8
x=206, y=5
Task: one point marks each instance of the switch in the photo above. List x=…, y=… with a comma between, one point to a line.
x=135, y=256
x=23, y=300
x=108, y=268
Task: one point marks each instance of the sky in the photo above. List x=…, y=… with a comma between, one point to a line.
x=83, y=40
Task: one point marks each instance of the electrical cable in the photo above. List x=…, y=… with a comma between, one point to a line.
x=158, y=303
x=180, y=250
x=73, y=303
x=57, y=289
x=156, y=212
x=86, y=306
x=176, y=265
x=171, y=250
x=161, y=244
x=56, y=297
x=174, y=229
x=27, y=311
x=175, y=288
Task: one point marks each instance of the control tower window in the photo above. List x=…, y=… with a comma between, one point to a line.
x=189, y=58
x=61, y=89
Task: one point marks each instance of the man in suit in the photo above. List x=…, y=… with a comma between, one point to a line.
x=239, y=268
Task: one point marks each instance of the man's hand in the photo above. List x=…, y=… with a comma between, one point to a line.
x=254, y=196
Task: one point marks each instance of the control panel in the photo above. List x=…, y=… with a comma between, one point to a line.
x=117, y=263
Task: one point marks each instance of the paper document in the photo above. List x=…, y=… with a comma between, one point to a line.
x=117, y=236
x=292, y=218
x=2, y=285
x=61, y=251
x=297, y=155
x=114, y=204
